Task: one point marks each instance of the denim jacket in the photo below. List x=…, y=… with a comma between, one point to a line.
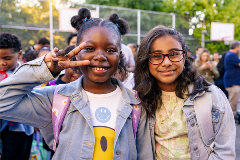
x=21, y=102
x=223, y=126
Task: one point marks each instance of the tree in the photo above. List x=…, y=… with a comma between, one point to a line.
x=203, y=11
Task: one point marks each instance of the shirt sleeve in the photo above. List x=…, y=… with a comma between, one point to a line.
x=21, y=101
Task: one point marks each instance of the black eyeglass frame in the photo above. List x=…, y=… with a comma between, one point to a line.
x=167, y=56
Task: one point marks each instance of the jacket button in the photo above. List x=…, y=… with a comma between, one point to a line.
x=192, y=124
x=118, y=152
x=89, y=118
x=196, y=148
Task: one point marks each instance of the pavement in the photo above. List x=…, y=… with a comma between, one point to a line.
x=237, y=145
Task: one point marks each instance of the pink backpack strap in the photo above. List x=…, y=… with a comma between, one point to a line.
x=136, y=114
x=59, y=109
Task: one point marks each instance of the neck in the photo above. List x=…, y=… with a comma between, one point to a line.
x=98, y=87
x=168, y=87
x=233, y=51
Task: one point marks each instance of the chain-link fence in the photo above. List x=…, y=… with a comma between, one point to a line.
x=29, y=19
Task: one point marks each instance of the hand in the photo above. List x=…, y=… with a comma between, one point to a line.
x=204, y=66
x=56, y=60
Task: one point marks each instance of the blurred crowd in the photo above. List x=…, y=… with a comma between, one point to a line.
x=221, y=70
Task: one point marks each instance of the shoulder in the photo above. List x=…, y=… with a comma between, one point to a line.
x=219, y=100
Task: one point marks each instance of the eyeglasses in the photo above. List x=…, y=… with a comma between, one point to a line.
x=174, y=56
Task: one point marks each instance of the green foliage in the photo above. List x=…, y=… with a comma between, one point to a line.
x=205, y=11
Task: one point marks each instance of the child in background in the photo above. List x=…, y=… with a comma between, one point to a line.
x=70, y=75
x=168, y=86
x=16, y=137
x=98, y=123
x=31, y=55
x=134, y=48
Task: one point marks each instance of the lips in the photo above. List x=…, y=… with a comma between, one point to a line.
x=167, y=73
x=99, y=68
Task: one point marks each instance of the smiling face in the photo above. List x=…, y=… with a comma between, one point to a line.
x=167, y=72
x=103, y=52
x=8, y=59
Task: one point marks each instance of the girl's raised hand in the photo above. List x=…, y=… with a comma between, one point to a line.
x=56, y=60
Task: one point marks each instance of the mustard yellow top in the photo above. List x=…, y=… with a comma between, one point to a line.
x=171, y=136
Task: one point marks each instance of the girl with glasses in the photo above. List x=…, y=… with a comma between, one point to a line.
x=168, y=85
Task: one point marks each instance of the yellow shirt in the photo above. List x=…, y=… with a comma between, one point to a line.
x=171, y=136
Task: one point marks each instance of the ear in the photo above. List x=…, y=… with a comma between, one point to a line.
x=19, y=54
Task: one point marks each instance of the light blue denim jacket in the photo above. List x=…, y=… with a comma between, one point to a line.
x=21, y=102
x=223, y=126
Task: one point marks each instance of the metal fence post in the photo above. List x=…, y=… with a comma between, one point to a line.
x=138, y=26
x=173, y=20
x=51, y=24
x=97, y=10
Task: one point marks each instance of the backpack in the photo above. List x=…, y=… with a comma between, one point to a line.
x=204, y=119
x=59, y=109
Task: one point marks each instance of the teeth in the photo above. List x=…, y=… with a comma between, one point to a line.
x=99, y=69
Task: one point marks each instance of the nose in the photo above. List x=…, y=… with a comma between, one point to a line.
x=2, y=62
x=100, y=56
x=166, y=62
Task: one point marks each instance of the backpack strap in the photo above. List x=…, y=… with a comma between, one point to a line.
x=52, y=83
x=136, y=113
x=203, y=110
x=59, y=109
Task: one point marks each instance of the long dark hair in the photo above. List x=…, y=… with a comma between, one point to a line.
x=146, y=85
x=83, y=22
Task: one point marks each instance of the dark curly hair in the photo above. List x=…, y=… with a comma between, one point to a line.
x=83, y=22
x=31, y=55
x=146, y=85
x=9, y=40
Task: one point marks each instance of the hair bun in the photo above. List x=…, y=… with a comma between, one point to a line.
x=77, y=21
x=121, y=23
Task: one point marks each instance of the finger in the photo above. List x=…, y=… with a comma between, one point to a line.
x=60, y=53
x=79, y=63
x=54, y=51
x=76, y=50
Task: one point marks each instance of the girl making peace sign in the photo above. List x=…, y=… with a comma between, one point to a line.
x=98, y=122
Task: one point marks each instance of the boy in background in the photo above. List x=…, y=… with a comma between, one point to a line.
x=16, y=137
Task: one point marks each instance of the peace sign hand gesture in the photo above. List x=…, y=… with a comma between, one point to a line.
x=57, y=61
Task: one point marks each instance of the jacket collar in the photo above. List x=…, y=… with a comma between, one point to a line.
x=75, y=89
x=190, y=100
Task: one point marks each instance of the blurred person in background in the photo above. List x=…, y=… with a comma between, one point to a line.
x=128, y=58
x=31, y=55
x=72, y=39
x=16, y=137
x=44, y=50
x=41, y=43
x=198, y=51
x=215, y=58
x=134, y=48
x=231, y=76
x=205, y=67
